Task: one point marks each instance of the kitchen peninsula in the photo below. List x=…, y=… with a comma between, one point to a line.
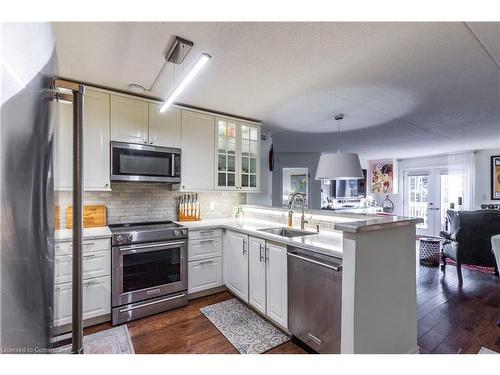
x=375, y=254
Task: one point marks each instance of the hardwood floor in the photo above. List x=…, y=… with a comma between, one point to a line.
x=450, y=319
x=454, y=319
x=185, y=330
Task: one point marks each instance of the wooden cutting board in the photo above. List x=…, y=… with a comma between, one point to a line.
x=57, y=217
x=93, y=216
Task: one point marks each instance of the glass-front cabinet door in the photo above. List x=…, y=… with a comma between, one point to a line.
x=237, y=155
x=249, y=140
x=226, y=153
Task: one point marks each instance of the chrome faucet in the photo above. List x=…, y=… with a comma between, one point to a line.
x=290, y=210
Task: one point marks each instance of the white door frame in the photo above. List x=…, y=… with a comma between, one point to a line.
x=434, y=189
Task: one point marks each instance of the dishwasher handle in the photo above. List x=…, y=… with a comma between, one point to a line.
x=337, y=268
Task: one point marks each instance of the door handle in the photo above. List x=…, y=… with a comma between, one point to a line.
x=260, y=253
x=305, y=259
x=266, y=255
x=244, y=251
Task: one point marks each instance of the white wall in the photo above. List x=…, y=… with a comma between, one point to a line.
x=296, y=160
x=482, y=185
x=265, y=196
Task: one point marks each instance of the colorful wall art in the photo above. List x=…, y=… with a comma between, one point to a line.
x=495, y=177
x=382, y=176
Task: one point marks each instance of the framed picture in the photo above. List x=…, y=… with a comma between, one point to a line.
x=381, y=176
x=298, y=183
x=495, y=177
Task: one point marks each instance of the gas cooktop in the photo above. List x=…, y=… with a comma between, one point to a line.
x=129, y=233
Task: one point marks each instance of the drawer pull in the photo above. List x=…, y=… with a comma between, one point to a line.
x=89, y=283
x=206, y=232
x=88, y=256
x=206, y=262
x=204, y=242
x=88, y=243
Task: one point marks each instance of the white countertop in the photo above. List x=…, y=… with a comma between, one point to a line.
x=97, y=232
x=346, y=221
x=324, y=242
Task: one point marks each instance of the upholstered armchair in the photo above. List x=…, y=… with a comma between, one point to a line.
x=468, y=240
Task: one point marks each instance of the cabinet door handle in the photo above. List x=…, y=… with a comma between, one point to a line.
x=244, y=251
x=266, y=255
x=260, y=253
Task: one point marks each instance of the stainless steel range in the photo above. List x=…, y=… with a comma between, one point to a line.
x=149, y=269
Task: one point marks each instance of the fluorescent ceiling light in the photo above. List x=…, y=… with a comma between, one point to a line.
x=195, y=69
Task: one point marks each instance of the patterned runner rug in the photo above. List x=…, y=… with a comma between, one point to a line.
x=111, y=341
x=245, y=329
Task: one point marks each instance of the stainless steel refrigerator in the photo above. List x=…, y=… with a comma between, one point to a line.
x=28, y=64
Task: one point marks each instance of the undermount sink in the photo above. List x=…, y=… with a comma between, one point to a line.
x=287, y=232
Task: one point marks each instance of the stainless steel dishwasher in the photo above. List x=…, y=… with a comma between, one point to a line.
x=314, y=299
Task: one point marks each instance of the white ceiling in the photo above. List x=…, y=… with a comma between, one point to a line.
x=406, y=89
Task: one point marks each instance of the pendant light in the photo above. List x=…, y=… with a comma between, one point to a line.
x=339, y=166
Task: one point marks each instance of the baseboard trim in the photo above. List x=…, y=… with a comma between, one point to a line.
x=207, y=292
x=66, y=328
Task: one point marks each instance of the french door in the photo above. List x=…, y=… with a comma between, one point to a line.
x=428, y=194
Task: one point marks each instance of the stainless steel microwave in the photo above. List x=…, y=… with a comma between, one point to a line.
x=135, y=162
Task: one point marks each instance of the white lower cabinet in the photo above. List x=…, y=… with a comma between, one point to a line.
x=236, y=263
x=204, y=260
x=277, y=283
x=94, y=264
x=96, y=299
x=96, y=276
x=257, y=273
x=205, y=249
x=204, y=274
x=255, y=270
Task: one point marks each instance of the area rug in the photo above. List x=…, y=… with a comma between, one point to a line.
x=486, y=351
x=111, y=341
x=471, y=267
x=245, y=329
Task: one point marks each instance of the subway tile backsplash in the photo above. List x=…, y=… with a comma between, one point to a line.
x=139, y=202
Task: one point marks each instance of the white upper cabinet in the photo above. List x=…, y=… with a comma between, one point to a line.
x=249, y=139
x=164, y=128
x=226, y=154
x=238, y=150
x=63, y=147
x=96, y=159
x=277, y=284
x=129, y=119
x=197, y=160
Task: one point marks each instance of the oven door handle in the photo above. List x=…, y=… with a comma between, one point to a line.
x=152, y=303
x=160, y=246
